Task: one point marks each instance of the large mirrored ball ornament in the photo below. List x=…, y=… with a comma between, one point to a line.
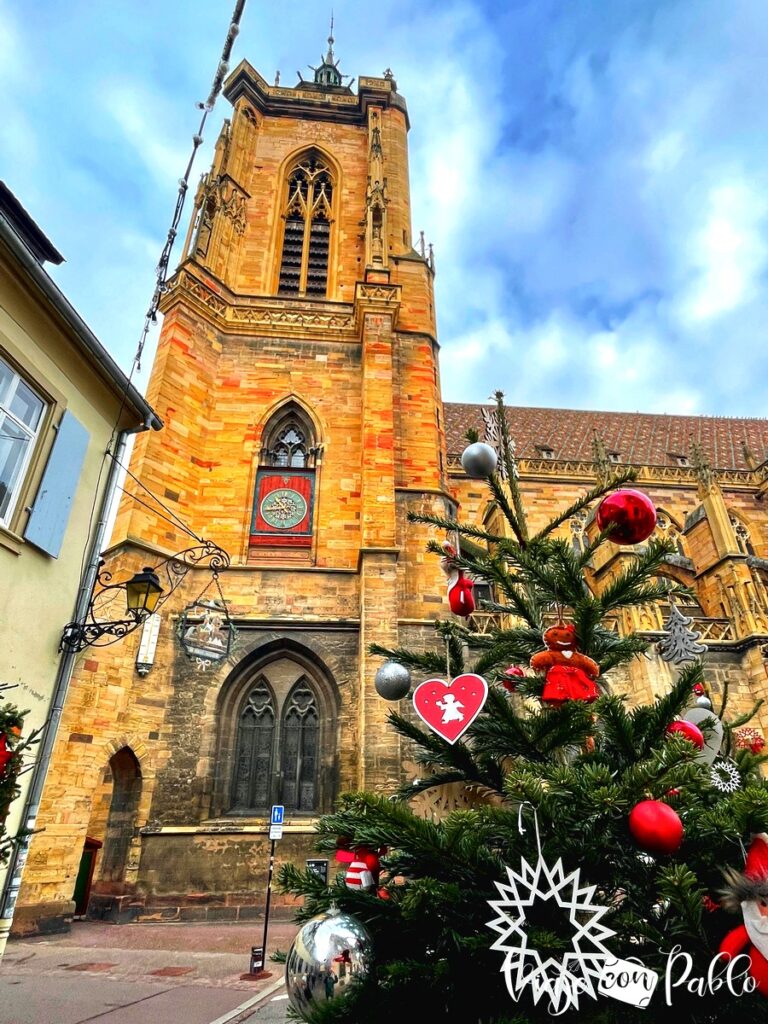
x=630, y=514
x=392, y=681
x=479, y=459
x=331, y=953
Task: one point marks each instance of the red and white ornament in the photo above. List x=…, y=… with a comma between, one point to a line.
x=749, y=738
x=630, y=513
x=358, y=876
x=749, y=890
x=656, y=827
x=450, y=708
x=460, y=587
x=569, y=674
x=6, y=753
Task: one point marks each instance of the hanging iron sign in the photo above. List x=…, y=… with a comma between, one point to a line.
x=206, y=632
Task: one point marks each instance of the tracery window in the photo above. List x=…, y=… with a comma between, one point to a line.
x=666, y=527
x=743, y=538
x=252, y=783
x=285, y=482
x=261, y=745
x=307, y=234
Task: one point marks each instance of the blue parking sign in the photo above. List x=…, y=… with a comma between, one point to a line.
x=277, y=814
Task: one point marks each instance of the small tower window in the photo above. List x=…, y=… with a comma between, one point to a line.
x=743, y=538
x=282, y=513
x=307, y=233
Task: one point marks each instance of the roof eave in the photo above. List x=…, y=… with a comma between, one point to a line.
x=78, y=329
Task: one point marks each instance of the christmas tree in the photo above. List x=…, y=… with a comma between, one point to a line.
x=597, y=832
x=12, y=750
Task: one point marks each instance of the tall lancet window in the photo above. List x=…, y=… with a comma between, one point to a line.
x=307, y=233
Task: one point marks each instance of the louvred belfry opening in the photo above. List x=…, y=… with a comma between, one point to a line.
x=307, y=233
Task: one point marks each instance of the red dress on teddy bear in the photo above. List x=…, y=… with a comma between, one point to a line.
x=750, y=892
x=570, y=675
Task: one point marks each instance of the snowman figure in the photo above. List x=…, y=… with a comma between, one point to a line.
x=749, y=892
x=451, y=709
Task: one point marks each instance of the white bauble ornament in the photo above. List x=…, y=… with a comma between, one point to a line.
x=479, y=459
x=712, y=728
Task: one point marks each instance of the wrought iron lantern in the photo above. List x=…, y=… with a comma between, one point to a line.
x=143, y=594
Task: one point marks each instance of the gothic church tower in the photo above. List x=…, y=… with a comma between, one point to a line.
x=297, y=377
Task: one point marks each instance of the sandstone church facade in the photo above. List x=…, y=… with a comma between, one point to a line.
x=297, y=376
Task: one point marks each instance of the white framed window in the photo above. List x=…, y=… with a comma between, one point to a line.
x=22, y=412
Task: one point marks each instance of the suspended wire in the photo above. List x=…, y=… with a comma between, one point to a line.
x=179, y=520
x=166, y=519
x=161, y=271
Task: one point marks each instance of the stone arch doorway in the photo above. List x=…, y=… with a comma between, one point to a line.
x=113, y=819
x=126, y=790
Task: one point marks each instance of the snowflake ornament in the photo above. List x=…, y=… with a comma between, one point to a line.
x=725, y=776
x=560, y=979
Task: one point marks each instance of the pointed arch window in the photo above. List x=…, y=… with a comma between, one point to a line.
x=300, y=734
x=307, y=213
x=285, y=482
x=261, y=746
x=743, y=538
x=252, y=783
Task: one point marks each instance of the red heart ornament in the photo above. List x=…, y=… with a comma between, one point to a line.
x=450, y=708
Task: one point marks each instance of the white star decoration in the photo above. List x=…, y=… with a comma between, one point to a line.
x=578, y=972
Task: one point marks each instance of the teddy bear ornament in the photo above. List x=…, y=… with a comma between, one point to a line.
x=569, y=674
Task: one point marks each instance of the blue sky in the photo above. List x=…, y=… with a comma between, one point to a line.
x=593, y=175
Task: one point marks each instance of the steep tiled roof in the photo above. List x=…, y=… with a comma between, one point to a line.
x=638, y=438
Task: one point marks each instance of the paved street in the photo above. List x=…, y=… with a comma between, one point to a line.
x=142, y=974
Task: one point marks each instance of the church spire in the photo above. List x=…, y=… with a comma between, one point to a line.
x=329, y=56
x=327, y=74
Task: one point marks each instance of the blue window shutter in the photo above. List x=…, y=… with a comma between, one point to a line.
x=50, y=514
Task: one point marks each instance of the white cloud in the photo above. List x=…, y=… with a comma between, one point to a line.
x=729, y=252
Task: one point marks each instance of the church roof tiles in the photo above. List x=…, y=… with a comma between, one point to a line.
x=644, y=439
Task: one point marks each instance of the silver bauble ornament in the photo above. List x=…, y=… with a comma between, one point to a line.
x=712, y=728
x=704, y=702
x=479, y=459
x=331, y=953
x=392, y=681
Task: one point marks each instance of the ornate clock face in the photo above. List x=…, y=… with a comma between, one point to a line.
x=283, y=508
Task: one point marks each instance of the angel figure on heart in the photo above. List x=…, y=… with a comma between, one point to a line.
x=451, y=709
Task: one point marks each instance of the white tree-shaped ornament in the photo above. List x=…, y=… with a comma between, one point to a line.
x=681, y=642
x=562, y=980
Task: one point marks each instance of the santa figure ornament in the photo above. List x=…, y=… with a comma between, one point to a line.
x=750, y=892
x=459, y=586
x=569, y=674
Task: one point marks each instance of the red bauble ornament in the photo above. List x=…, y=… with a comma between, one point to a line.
x=655, y=827
x=383, y=893
x=631, y=514
x=698, y=689
x=512, y=674
x=689, y=730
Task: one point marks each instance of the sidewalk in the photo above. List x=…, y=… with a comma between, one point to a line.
x=121, y=974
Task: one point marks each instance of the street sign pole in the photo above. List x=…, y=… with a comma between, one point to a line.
x=269, y=899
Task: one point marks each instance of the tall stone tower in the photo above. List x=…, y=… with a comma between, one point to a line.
x=297, y=377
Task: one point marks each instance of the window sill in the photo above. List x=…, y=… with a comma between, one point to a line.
x=11, y=541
